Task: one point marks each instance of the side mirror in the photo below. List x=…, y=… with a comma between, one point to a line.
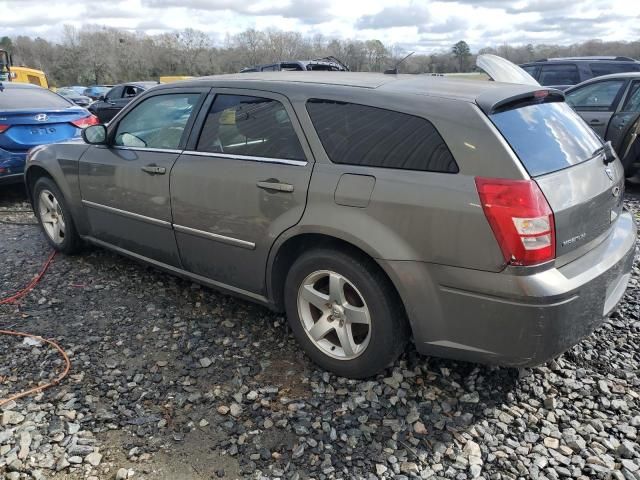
x=102, y=98
x=95, y=135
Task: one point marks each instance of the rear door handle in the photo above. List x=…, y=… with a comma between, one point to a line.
x=154, y=170
x=275, y=186
x=595, y=121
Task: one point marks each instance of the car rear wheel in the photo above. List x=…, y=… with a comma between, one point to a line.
x=54, y=216
x=344, y=312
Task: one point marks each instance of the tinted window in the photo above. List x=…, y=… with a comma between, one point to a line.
x=559, y=75
x=131, y=91
x=595, y=96
x=360, y=135
x=114, y=93
x=531, y=70
x=250, y=126
x=547, y=137
x=19, y=98
x=603, y=68
x=157, y=122
x=632, y=103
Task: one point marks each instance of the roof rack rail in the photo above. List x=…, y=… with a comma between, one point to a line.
x=594, y=58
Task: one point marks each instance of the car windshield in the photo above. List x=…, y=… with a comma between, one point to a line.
x=29, y=98
x=547, y=137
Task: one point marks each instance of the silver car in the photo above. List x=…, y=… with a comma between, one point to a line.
x=482, y=220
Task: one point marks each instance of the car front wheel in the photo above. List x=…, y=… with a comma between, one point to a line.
x=344, y=312
x=54, y=216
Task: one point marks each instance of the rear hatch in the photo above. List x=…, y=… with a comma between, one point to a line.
x=23, y=129
x=582, y=184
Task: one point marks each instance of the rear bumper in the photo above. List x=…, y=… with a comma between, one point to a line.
x=11, y=166
x=513, y=318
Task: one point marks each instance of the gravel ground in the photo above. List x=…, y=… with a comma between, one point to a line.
x=171, y=380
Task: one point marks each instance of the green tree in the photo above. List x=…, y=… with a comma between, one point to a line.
x=462, y=52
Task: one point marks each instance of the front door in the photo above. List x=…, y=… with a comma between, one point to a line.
x=112, y=104
x=125, y=185
x=596, y=102
x=241, y=183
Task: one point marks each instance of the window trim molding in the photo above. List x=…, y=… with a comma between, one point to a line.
x=284, y=161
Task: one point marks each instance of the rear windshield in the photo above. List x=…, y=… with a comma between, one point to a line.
x=547, y=137
x=28, y=98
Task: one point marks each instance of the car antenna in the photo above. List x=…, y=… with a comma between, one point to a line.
x=394, y=70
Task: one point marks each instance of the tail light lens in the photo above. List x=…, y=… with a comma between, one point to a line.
x=4, y=128
x=521, y=219
x=86, y=121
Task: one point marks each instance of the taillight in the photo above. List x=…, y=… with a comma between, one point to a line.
x=86, y=121
x=4, y=128
x=521, y=219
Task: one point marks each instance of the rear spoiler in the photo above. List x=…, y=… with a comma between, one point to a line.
x=494, y=101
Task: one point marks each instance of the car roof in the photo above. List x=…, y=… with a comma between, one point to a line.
x=600, y=59
x=611, y=76
x=429, y=85
x=145, y=84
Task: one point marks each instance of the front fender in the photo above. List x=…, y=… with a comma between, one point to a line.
x=60, y=162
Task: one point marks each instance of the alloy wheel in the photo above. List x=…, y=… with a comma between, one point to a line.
x=51, y=216
x=334, y=315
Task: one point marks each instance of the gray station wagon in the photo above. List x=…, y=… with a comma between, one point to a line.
x=483, y=220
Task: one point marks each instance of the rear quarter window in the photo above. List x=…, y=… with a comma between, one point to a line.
x=29, y=98
x=355, y=134
x=559, y=75
x=599, y=69
x=547, y=137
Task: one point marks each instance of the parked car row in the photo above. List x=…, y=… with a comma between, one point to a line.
x=563, y=73
x=485, y=220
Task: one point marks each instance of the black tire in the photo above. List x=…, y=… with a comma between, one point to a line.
x=389, y=330
x=71, y=242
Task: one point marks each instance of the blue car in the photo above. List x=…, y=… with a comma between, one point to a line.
x=31, y=116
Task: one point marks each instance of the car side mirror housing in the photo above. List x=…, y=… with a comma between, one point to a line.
x=95, y=134
x=102, y=98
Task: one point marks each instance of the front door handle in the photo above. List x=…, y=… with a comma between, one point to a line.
x=154, y=170
x=275, y=185
x=595, y=121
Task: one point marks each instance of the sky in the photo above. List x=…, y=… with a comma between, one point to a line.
x=423, y=26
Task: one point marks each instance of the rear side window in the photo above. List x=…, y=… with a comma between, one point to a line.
x=559, y=75
x=250, y=126
x=25, y=98
x=360, y=135
x=547, y=137
x=599, y=69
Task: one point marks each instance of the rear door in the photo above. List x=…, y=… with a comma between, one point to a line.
x=241, y=183
x=596, y=102
x=125, y=185
x=560, y=152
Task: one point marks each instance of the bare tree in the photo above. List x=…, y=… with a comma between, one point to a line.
x=101, y=54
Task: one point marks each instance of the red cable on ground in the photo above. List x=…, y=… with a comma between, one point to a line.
x=21, y=293
x=41, y=387
x=14, y=298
